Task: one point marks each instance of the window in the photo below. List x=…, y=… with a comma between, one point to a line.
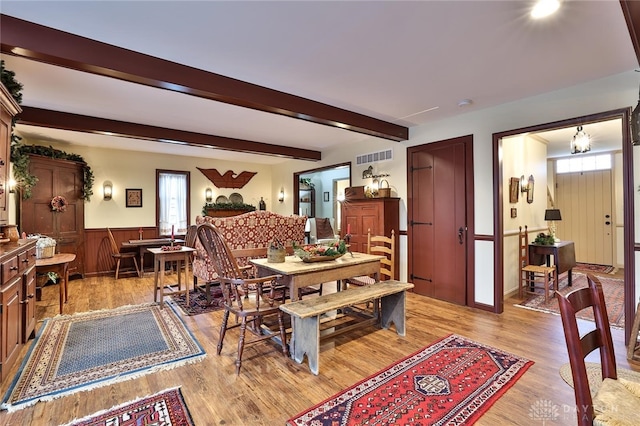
x=583, y=163
x=172, y=213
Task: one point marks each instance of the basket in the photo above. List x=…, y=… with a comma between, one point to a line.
x=276, y=255
x=384, y=192
x=45, y=252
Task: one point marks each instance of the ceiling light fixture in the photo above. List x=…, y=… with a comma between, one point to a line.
x=581, y=142
x=544, y=8
x=464, y=102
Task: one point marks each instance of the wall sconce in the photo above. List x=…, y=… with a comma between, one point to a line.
x=107, y=190
x=281, y=195
x=208, y=195
x=12, y=186
x=523, y=184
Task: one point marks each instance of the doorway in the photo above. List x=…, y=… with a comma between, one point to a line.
x=440, y=219
x=627, y=214
x=316, y=191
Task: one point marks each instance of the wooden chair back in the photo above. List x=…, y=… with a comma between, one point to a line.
x=385, y=246
x=579, y=347
x=192, y=235
x=114, y=247
x=523, y=251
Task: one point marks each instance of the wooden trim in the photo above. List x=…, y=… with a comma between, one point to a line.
x=628, y=193
x=631, y=12
x=32, y=41
x=483, y=237
x=81, y=123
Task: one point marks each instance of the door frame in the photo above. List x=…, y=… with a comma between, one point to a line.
x=470, y=236
x=628, y=196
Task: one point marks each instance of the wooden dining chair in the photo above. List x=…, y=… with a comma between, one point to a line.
x=532, y=276
x=119, y=255
x=252, y=300
x=385, y=246
x=610, y=399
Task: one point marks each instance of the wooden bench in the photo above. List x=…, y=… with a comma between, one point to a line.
x=306, y=313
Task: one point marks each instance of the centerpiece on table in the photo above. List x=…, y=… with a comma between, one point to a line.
x=545, y=239
x=320, y=252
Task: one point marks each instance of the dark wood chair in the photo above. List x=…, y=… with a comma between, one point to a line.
x=579, y=347
x=118, y=255
x=250, y=299
x=532, y=276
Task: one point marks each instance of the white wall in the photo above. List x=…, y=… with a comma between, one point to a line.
x=131, y=169
x=619, y=91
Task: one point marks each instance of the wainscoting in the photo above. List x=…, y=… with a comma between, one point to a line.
x=98, y=260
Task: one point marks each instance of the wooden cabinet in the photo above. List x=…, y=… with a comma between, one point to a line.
x=28, y=269
x=380, y=215
x=307, y=206
x=16, y=317
x=56, y=177
x=8, y=109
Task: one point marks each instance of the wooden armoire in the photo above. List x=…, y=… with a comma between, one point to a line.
x=56, y=177
x=380, y=215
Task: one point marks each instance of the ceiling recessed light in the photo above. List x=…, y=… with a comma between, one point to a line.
x=544, y=8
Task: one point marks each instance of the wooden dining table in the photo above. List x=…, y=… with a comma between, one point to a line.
x=297, y=274
x=144, y=244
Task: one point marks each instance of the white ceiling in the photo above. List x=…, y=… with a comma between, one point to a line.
x=405, y=62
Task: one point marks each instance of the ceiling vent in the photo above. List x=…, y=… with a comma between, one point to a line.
x=374, y=157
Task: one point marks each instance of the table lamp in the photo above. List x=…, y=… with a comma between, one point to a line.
x=551, y=215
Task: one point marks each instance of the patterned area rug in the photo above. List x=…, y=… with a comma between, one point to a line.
x=198, y=302
x=165, y=408
x=452, y=381
x=613, y=289
x=591, y=267
x=91, y=349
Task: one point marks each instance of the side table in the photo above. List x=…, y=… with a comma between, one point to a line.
x=59, y=264
x=160, y=258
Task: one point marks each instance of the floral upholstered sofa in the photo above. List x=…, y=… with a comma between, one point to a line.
x=253, y=230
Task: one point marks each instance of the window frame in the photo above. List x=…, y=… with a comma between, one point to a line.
x=158, y=201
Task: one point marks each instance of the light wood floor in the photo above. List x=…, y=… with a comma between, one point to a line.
x=271, y=388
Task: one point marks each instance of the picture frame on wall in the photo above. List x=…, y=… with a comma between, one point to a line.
x=325, y=197
x=514, y=190
x=133, y=197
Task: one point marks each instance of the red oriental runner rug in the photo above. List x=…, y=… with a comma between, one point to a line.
x=166, y=408
x=452, y=381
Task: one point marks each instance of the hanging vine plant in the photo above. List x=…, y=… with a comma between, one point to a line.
x=20, y=153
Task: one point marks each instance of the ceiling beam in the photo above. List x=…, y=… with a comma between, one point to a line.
x=32, y=116
x=32, y=41
x=631, y=11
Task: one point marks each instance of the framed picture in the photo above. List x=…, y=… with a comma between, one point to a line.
x=325, y=196
x=514, y=190
x=134, y=197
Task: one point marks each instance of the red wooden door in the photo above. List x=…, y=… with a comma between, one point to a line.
x=437, y=219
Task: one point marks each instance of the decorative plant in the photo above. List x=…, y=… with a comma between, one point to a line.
x=15, y=89
x=307, y=182
x=26, y=181
x=545, y=239
x=227, y=206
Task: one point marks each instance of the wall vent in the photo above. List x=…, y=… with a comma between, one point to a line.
x=375, y=157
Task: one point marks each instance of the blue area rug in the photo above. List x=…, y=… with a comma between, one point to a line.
x=78, y=352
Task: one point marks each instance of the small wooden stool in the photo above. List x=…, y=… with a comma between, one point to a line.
x=633, y=339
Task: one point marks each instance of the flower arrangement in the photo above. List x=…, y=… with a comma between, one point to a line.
x=59, y=204
x=333, y=249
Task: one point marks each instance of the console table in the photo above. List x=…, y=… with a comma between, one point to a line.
x=563, y=252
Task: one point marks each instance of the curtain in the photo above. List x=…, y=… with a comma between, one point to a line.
x=172, y=193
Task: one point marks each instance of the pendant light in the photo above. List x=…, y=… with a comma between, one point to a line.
x=581, y=142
